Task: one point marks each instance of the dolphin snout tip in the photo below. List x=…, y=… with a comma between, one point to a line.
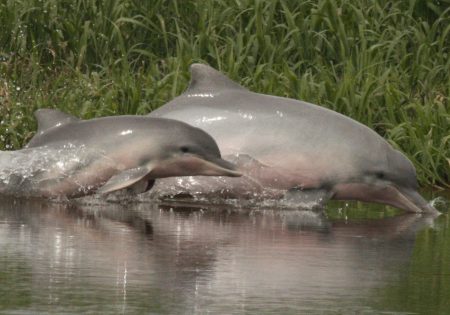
x=235, y=173
x=229, y=169
x=418, y=204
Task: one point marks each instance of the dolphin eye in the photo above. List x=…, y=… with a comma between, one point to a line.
x=184, y=149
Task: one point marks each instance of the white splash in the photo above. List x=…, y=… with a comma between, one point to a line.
x=440, y=203
x=24, y=171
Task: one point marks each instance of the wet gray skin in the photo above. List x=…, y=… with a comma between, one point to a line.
x=296, y=145
x=79, y=157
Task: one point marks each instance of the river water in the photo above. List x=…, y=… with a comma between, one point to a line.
x=184, y=258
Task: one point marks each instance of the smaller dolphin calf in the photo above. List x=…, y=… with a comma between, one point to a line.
x=72, y=157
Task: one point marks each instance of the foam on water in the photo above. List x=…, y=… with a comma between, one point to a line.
x=23, y=172
x=239, y=192
x=182, y=191
x=440, y=203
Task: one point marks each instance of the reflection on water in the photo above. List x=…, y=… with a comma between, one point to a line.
x=142, y=258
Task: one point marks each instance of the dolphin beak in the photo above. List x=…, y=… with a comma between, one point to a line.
x=219, y=167
x=403, y=198
x=410, y=200
x=194, y=165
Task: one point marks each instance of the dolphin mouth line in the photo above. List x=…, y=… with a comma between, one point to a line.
x=407, y=199
x=223, y=166
x=413, y=201
x=194, y=165
x=228, y=167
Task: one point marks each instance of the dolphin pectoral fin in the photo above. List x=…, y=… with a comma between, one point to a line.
x=131, y=177
x=141, y=186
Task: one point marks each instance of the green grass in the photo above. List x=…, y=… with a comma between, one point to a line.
x=383, y=63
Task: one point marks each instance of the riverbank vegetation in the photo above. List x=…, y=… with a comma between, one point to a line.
x=383, y=63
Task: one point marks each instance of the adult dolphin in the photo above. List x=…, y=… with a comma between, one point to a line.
x=72, y=157
x=297, y=145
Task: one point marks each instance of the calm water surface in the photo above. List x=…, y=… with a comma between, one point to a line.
x=178, y=259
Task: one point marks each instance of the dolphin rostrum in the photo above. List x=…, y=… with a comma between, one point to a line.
x=296, y=146
x=72, y=157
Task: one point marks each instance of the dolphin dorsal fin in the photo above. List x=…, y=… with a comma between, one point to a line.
x=207, y=80
x=48, y=118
